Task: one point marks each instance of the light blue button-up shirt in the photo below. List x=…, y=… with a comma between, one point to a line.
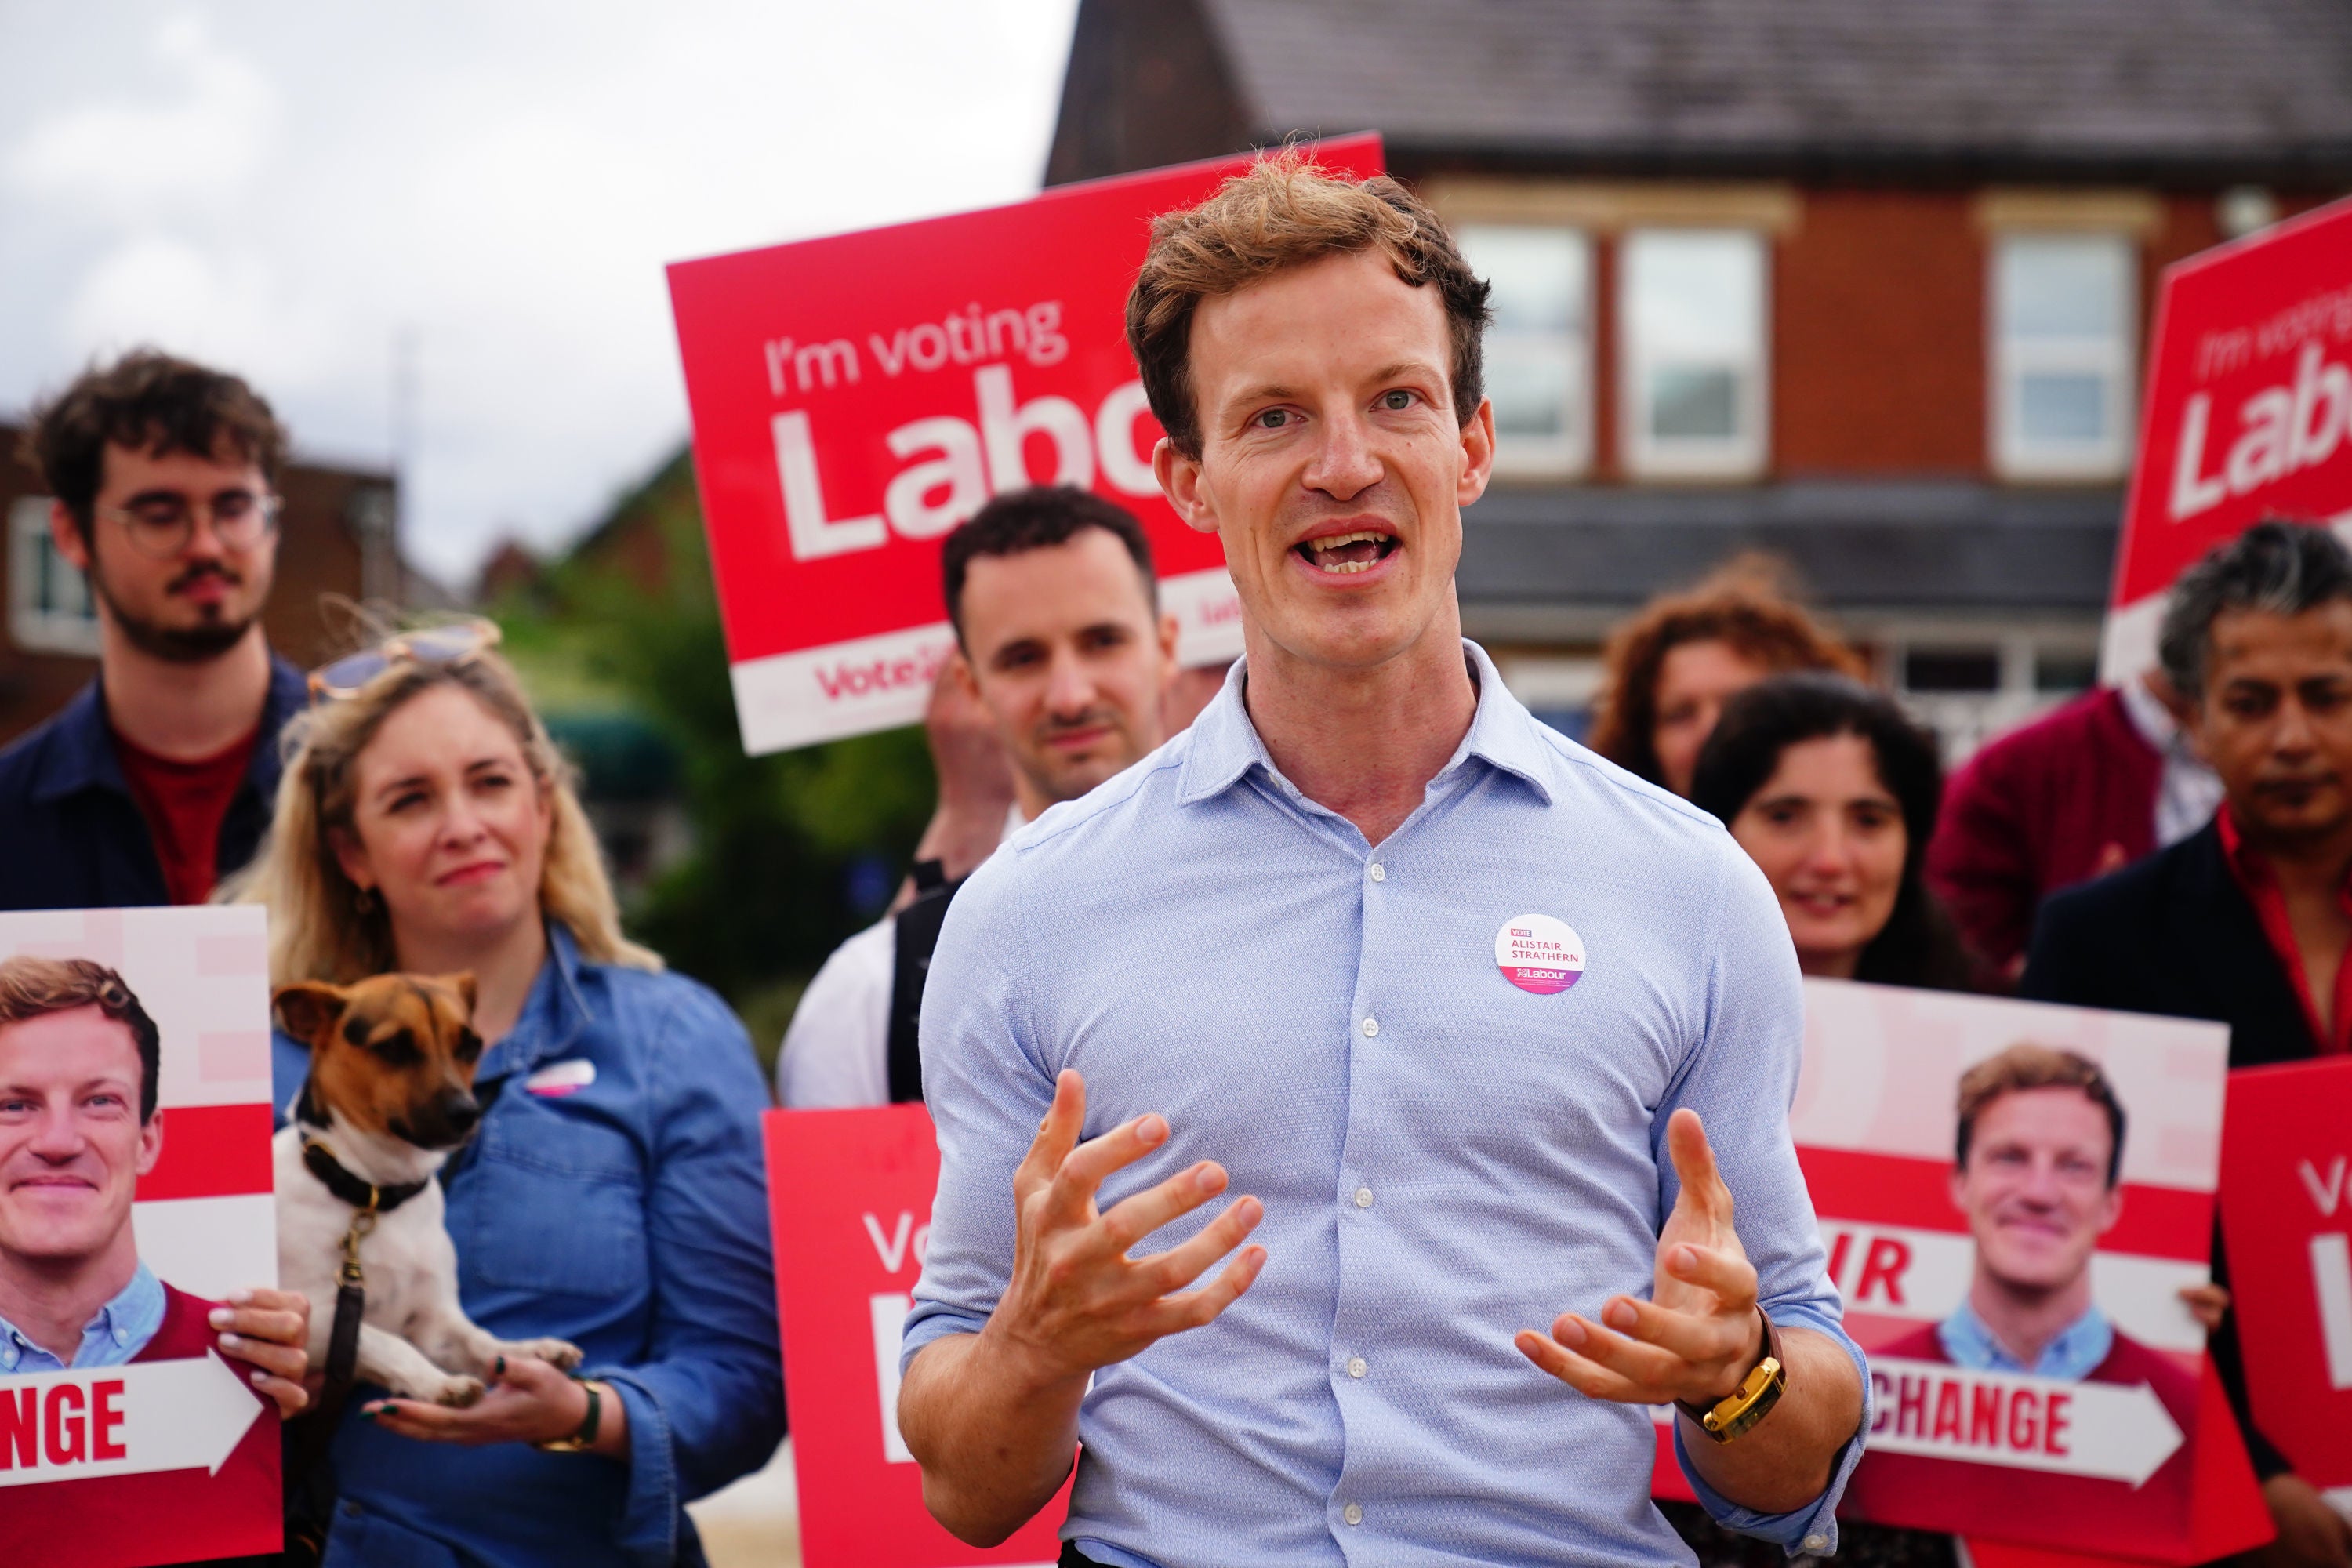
x=1444, y=1157
x=2071, y=1356
x=114, y=1334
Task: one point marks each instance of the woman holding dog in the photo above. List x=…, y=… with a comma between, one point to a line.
x=612, y=1195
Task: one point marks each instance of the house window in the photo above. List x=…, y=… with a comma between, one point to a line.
x=48, y=602
x=2062, y=313
x=1540, y=347
x=1693, y=333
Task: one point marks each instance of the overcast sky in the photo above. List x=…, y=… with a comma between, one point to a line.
x=286, y=188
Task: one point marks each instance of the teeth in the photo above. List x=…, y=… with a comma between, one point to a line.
x=1338, y=568
x=1336, y=540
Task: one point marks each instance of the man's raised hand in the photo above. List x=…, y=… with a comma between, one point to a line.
x=1075, y=1300
x=1698, y=1335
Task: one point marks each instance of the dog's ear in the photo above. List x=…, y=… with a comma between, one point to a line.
x=307, y=1009
x=463, y=984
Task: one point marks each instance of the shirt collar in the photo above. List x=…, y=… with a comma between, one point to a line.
x=2071, y=1356
x=81, y=751
x=553, y=1014
x=130, y=1318
x=1225, y=745
x=2151, y=717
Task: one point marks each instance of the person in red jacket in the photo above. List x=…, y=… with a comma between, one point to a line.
x=2078, y=793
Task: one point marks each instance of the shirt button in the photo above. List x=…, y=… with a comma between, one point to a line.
x=1817, y=1543
x=1352, y=1514
x=1380, y=872
x=1363, y=1197
x=1356, y=1367
x=1372, y=1028
x=122, y=1336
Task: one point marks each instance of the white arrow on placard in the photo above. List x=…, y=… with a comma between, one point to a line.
x=131, y=1420
x=2118, y=1432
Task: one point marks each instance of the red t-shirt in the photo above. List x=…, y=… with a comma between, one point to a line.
x=184, y=804
x=2260, y=884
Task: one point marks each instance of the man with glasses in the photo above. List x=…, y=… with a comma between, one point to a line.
x=156, y=780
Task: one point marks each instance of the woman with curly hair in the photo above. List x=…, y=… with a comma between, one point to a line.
x=1669, y=670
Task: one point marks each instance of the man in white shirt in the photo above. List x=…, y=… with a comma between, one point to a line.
x=1061, y=642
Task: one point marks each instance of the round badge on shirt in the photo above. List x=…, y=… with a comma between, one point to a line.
x=1538, y=953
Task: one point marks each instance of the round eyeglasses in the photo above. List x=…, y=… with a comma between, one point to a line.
x=162, y=525
x=454, y=643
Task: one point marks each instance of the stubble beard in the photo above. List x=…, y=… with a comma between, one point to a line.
x=199, y=644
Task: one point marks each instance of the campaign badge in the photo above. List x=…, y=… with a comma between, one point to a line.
x=1538, y=953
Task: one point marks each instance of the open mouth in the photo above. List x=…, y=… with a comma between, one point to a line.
x=1342, y=553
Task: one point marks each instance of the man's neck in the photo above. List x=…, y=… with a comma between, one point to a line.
x=183, y=711
x=1364, y=743
x=504, y=968
x=2026, y=1321
x=2315, y=864
x=50, y=1303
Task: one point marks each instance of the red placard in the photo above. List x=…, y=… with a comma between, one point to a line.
x=2287, y=1214
x=855, y=398
x=2134, y=1457
x=2248, y=411
x=849, y=1194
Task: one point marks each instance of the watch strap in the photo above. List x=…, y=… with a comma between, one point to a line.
x=584, y=1437
x=1759, y=1390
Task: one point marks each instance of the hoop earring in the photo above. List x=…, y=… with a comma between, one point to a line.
x=364, y=902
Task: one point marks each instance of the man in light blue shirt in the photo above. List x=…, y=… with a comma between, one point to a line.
x=1487, y=1032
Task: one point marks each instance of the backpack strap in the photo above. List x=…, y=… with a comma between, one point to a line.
x=917, y=927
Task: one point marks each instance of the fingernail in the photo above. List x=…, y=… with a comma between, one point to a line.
x=1209, y=1179
x=230, y=1341
x=1151, y=1130
x=502, y=1366
x=1620, y=1315
x=260, y=1377
x=1248, y=1210
x=370, y=1412
x=238, y=1298
x=1684, y=1260
x=220, y=1316
x=1570, y=1332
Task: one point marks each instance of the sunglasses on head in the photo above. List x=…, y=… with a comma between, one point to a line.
x=453, y=644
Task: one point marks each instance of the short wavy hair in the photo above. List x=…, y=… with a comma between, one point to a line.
x=2029, y=1066
x=1284, y=211
x=32, y=987
x=2280, y=567
x=151, y=402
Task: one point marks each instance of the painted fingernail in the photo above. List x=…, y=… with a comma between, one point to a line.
x=238, y=1298
x=220, y=1316
x=1620, y=1315
x=502, y=1366
x=370, y=1412
x=260, y=1377
x=231, y=1342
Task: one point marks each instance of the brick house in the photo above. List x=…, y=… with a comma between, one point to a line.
x=336, y=537
x=1866, y=285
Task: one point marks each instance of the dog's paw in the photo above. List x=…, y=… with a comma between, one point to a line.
x=458, y=1392
x=560, y=1354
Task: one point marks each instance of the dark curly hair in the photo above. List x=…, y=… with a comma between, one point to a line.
x=152, y=401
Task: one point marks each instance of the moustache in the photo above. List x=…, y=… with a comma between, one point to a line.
x=1057, y=724
x=198, y=573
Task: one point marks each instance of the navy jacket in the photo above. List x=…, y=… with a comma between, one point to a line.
x=2174, y=933
x=71, y=837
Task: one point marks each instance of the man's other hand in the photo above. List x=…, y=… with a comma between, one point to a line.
x=1075, y=1300
x=1699, y=1334
x=270, y=1332
x=2310, y=1533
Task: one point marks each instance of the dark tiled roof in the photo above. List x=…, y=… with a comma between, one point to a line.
x=2094, y=85
x=1938, y=544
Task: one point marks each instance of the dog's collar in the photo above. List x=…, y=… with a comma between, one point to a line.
x=365, y=1196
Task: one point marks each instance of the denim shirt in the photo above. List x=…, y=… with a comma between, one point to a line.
x=627, y=1214
x=114, y=1335
x=2071, y=1356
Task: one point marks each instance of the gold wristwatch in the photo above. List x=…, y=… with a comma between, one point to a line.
x=583, y=1439
x=1752, y=1400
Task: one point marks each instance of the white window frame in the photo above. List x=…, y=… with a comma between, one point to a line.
x=2114, y=359
x=33, y=626
x=1742, y=456
x=1568, y=455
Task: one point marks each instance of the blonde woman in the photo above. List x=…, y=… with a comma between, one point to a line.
x=613, y=1195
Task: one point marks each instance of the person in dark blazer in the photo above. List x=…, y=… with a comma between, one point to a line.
x=2247, y=921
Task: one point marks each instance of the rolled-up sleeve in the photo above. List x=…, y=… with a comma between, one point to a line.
x=1741, y=1079
x=707, y=1404
x=988, y=1088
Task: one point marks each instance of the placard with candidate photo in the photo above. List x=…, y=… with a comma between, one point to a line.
x=2013, y=1197
x=135, y=1195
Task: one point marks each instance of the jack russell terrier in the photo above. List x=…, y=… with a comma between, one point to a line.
x=390, y=1098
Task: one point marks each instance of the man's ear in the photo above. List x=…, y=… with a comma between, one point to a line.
x=151, y=1141
x=959, y=669
x=66, y=534
x=2114, y=1206
x=1172, y=633
x=1477, y=454
x=307, y=1009
x=1179, y=481
x=1957, y=1186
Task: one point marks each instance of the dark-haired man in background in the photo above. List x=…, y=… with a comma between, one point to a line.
x=1061, y=642
x=156, y=780
x=2257, y=637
